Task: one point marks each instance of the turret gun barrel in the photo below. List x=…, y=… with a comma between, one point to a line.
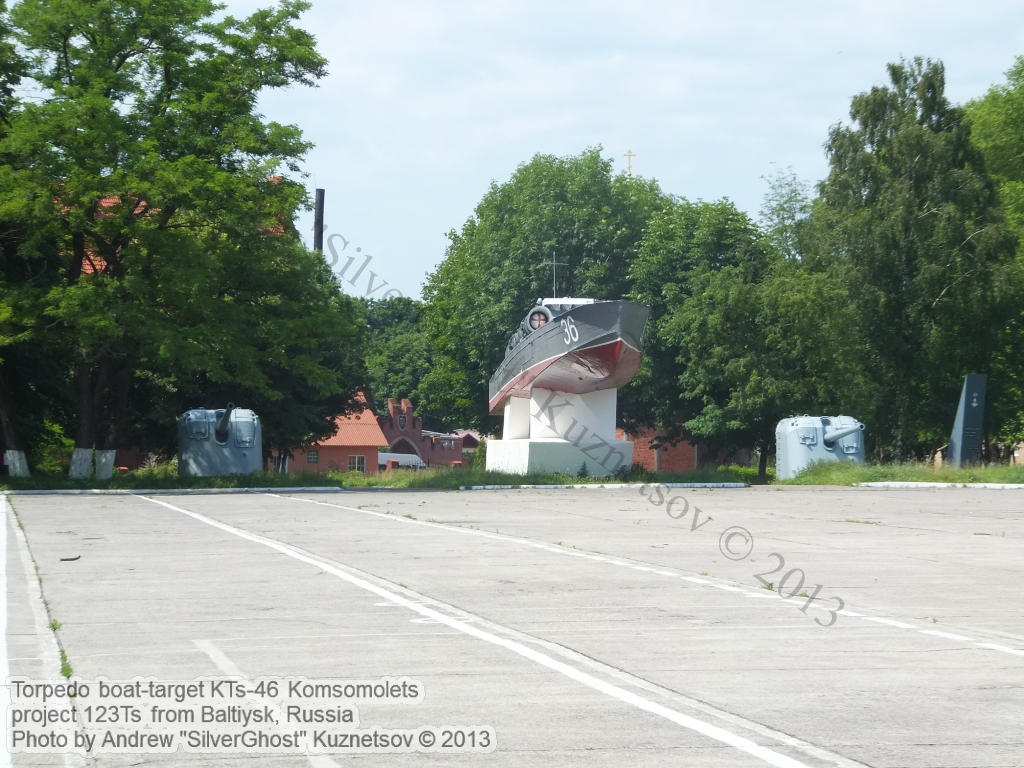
x=831, y=435
x=221, y=432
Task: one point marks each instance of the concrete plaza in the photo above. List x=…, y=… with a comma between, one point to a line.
x=587, y=627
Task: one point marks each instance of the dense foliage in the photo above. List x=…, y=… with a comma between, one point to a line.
x=872, y=298
x=149, y=260
x=149, y=257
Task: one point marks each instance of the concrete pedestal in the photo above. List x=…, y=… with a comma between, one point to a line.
x=559, y=432
x=523, y=457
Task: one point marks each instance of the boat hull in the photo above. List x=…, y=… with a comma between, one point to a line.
x=588, y=348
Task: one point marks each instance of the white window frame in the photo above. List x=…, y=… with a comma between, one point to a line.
x=357, y=463
x=313, y=456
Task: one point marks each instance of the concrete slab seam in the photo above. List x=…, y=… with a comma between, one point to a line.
x=706, y=729
x=562, y=551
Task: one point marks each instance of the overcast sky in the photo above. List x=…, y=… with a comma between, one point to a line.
x=429, y=102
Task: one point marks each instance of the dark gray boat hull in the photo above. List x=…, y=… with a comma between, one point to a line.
x=588, y=348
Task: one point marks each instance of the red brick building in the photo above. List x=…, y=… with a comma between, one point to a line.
x=353, y=448
x=682, y=457
x=404, y=433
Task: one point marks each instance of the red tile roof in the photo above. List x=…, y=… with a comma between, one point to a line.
x=359, y=429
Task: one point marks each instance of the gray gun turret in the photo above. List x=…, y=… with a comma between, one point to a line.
x=225, y=441
x=803, y=440
x=831, y=435
x=220, y=434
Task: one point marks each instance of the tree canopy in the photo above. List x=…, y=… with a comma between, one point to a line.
x=571, y=210
x=146, y=188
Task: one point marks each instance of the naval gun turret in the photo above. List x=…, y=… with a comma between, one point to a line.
x=803, y=440
x=225, y=441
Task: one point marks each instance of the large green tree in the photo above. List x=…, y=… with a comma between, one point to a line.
x=913, y=222
x=682, y=240
x=144, y=159
x=572, y=210
x=760, y=341
x=400, y=362
x=997, y=127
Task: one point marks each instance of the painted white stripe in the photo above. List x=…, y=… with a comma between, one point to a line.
x=890, y=622
x=502, y=537
x=5, y=666
x=1003, y=648
x=49, y=651
x=224, y=664
x=946, y=635
x=227, y=666
x=706, y=729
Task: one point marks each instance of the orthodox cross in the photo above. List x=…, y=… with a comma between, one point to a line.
x=629, y=163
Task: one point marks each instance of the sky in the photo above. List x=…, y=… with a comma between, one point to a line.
x=427, y=103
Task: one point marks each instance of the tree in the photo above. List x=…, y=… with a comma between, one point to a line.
x=400, y=362
x=569, y=209
x=682, y=241
x=997, y=128
x=912, y=221
x=762, y=341
x=145, y=161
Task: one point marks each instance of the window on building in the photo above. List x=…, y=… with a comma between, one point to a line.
x=356, y=463
x=313, y=456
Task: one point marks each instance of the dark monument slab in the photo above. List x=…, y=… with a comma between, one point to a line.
x=965, y=442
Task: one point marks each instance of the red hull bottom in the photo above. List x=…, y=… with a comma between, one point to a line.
x=607, y=366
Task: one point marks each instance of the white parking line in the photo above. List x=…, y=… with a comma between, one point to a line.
x=228, y=667
x=5, y=667
x=48, y=650
x=890, y=622
x=947, y=635
x=706, y=729
x=549, y=548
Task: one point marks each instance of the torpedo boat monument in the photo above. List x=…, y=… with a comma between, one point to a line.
x=557, y=387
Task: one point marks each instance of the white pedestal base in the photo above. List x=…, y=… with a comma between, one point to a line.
x=105, y=464
x=17, y=464
x=559, y=432
x=81, y=464
x=548, y=455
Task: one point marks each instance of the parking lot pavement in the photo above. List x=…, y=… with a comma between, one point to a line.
x=593, y=627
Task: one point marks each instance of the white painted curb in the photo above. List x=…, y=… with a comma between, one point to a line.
x=901, y=484
x=598, y=485
x=172, y=491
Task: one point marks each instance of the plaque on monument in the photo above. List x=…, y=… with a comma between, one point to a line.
x=965, y=442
